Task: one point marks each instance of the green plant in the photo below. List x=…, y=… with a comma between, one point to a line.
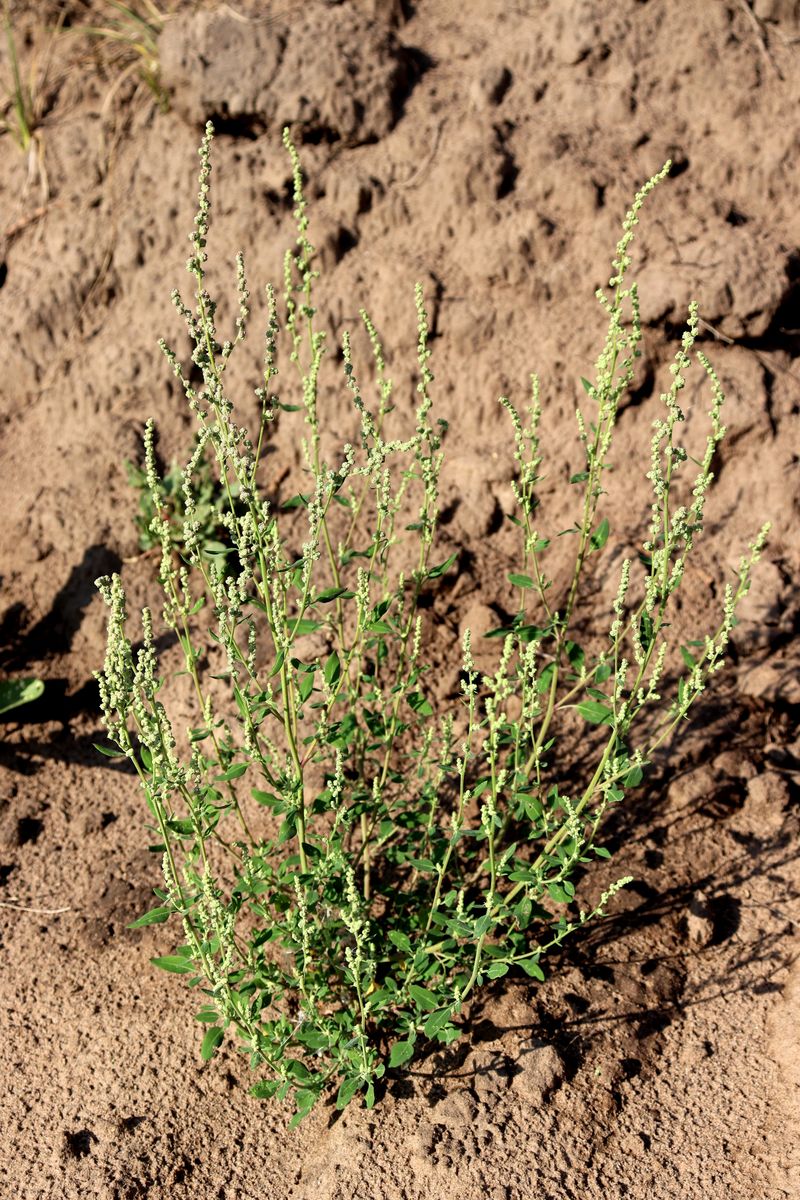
x=14, y=692
x=25, y=106
x=206, y=501
x=345, y=864
x=131, y=33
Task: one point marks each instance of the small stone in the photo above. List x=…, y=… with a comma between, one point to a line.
x=762, y=813
x=699, y=922
x=735, y=764
x=490, y=87
x=776, y=679
x=491, y=1074
x=539, y=1071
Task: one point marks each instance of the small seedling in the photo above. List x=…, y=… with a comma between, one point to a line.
x=345, y=857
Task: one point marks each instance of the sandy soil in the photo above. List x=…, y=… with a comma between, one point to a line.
x=488, y=149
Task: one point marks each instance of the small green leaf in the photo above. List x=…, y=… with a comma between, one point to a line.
x=156, y=916
x=266, y=798
x=174, y=963
x=14, y=693
x=297, y=1069
x=420, y=704
x=333, y=670
x=580, y=478
x=424, y=998
x=437, y=1021
x=206, y=1016
x=265, y=1089
x=600, y=536
x=212, y=1039
x=558, y=893
x=401, y=1053
x=347, y=1090
x=301, y=500
x=521, y=581
x=332, y=593
x=601, y=852
x=303, y=626
x=497, y=970
x=183, y=826
x=587, y=387
x=596, y=713
x=400, y=940
x=305, y=687
x=436, y=572
x=109, y=753
x=531, y=967
x=233, y=772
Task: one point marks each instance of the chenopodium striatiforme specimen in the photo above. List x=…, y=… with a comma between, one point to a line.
x=345, y=865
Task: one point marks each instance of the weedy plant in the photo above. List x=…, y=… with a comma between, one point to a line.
x=346, y=866
x=131, y=32
x=25, y=105
x=205, y=499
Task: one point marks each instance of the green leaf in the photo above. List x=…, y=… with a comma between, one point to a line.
x=401, y=1053
x=521, y=581
x=559, y=894
x=600, y=536
x=436, y=572
x=103, y=749
x=265, y=1089
x=306, y=686
x=424, y=998
x=685, y=655
x=437, y=1021
x=233, y=772
x=297, y=1069
x=634, y=777
x=545, y=679
x=420, y=704
x=183, y=826
x=575, y=655
x=156, y=916
x=333, y=670
x=333, y=593
x=305, y=1100
x=580, y=478
x=601, y=852
x=400, y=940
x=596, y=713
x=587, y=387
x=266, y=798
x=174, y=963
x=531, y=967
x=206, y=1016
x=212, y=1039
x=347, y=1090
x=497, y=970
x=303, y=626
x=301, y=500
